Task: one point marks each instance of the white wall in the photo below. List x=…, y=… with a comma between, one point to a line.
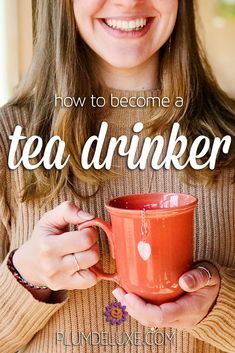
x=218, y=35
x=15, y=44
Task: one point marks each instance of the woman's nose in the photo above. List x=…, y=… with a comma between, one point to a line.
x=129, y=4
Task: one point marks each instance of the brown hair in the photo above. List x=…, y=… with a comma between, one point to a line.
x=62, y=65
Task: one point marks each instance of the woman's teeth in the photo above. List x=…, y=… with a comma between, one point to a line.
x=133, y=25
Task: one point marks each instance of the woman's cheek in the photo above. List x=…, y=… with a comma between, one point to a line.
x=166, y=6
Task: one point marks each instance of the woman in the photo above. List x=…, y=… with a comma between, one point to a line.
x=48, y=294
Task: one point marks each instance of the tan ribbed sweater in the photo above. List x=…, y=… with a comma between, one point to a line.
x=30, y=326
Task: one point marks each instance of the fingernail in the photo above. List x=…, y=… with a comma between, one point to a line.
x=188, y=281
x=85, y=215
x=117, y=294
x=128, y=300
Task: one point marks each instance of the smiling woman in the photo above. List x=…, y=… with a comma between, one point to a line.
x=145, y=27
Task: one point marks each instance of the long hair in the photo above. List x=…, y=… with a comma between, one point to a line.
x=61, y=65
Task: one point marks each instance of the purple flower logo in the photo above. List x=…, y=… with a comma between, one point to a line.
x=115, y=313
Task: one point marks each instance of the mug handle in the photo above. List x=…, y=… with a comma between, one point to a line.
x=97, y=222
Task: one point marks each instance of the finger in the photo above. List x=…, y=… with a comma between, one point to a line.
x=79, y=280
x=183, y=309
x=118, y=293
x=164, y=315
x=82, y=280
x=199, y=278
x=85, y=259
x=190, y=308
x=146, y=313
x=63, y=215
x=187, y=310
x=171, y=312
x=72, y=242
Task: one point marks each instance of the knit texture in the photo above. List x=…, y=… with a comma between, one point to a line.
x=30, y=326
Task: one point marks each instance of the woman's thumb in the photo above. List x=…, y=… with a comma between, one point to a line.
x=201, y=276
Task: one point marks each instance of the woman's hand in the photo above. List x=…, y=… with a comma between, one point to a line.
x=185, y=312
x=47, y=257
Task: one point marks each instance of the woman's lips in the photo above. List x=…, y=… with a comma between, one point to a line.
x=123, y=28
x=126, y=25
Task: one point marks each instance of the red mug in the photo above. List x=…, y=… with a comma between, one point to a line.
x=151, y=239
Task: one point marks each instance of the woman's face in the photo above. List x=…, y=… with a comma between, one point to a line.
x=125, y=33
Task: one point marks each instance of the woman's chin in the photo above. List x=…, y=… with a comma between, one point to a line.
x=123, y=62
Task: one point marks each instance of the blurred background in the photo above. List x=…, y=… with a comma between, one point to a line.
x=216, y=25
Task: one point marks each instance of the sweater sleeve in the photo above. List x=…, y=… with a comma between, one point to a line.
x=218, y=327
x=22, y=316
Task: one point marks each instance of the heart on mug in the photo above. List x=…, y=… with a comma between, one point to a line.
x=144, y=250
